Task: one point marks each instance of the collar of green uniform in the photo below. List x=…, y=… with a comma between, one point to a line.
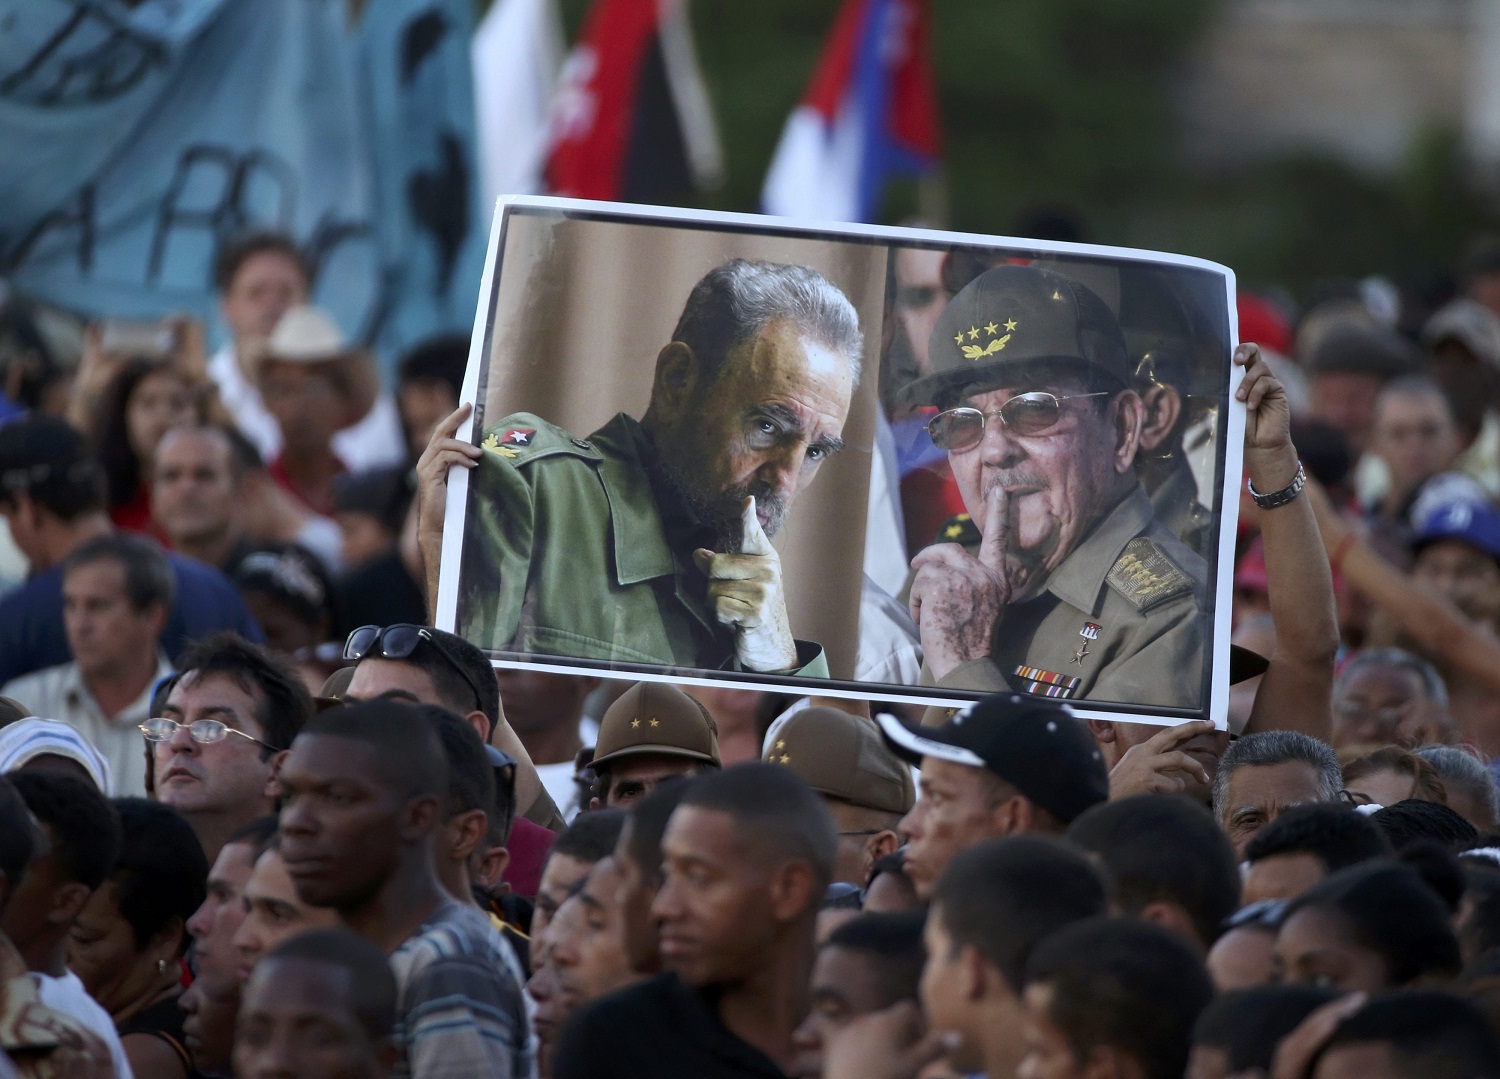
x=1079, y=581
x=642, y=547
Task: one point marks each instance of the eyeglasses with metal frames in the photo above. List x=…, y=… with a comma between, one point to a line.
x=1032, y=413
x=203, y=731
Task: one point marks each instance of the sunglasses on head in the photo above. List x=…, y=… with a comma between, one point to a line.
x=399, y=642
x=1031, y=413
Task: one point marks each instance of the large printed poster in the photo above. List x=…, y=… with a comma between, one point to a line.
x=849, y=460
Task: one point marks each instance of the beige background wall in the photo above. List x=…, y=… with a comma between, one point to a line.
x=583, y=307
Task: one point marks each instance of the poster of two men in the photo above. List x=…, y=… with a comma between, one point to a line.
x=878, y=462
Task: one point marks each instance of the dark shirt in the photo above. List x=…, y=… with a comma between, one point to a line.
x=31, y=621
x=379, y=593
x=163, y=1020
x=661, y=1027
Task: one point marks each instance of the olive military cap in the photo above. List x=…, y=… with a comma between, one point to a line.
x=1014, y=315
x=843, y=756
x=655, y=718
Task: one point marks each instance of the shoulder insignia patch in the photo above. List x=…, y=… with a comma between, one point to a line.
x=522, y=438
x=1146, y=575
x=493, y=444
x=961, y=529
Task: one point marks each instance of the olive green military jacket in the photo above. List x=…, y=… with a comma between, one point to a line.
x=574, y=558
x=1122, y=619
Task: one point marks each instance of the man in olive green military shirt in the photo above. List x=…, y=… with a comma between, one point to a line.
x=1076, y=590
x=649, y=541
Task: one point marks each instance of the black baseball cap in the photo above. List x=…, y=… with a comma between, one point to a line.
x=37, y=449
x=1040, y=748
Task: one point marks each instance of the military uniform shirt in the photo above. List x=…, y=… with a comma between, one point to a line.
x=1177, y=507
x=1121, y=619
x=581, y=554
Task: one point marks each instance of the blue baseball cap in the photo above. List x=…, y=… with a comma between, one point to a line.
x=1474, y=523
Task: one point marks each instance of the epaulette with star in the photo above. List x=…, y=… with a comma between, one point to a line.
x=522, y=437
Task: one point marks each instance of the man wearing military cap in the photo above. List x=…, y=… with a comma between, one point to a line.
x=1076, y=591
x=649, y=541
x=653, y=732
x=866, y=788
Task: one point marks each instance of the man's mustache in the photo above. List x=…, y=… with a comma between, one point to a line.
x=767, y=502
x=1014, y=481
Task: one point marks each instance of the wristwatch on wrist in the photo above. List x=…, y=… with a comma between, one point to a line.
x=1272, y=499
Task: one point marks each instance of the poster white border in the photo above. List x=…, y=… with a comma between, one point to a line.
x=1232, y=436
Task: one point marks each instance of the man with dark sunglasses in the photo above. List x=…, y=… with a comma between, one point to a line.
x=1076, y=590
x=429, y=666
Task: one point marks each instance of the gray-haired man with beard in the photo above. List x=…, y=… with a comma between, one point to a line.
x=649, y=541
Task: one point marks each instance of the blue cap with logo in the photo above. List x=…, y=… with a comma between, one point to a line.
x=1474, y=523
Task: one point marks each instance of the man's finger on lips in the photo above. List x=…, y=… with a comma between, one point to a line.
x=753, y=538
x=995, y=529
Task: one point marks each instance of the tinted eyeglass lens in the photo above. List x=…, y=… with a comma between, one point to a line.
x=1030, y=413
x=957, y=429
x=1024, y=414
x=400, y=641
x=360, y=642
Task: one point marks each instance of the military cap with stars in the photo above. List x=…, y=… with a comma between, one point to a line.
x=842, y=756
x=657, y=719
x=1014, y=315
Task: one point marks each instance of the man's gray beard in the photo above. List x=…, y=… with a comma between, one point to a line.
x=722, y=513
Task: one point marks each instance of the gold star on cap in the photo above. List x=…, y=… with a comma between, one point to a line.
x=655, y=722
x=973, y=332
x=781, y=743
x=959, y=339
x=1010, y=325
x=635, y=723
x=992, y=329
x=785, y=759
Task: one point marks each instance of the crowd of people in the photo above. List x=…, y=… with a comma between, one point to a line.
x=261, y=818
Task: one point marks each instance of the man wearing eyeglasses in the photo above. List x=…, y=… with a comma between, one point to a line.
x=1076, y=590
x=224, y=718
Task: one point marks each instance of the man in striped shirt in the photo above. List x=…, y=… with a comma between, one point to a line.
x=364, y=790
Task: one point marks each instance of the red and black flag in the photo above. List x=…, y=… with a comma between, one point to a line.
x=631, y=120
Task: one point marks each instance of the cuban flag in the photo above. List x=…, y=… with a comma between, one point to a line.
x=870, y=113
